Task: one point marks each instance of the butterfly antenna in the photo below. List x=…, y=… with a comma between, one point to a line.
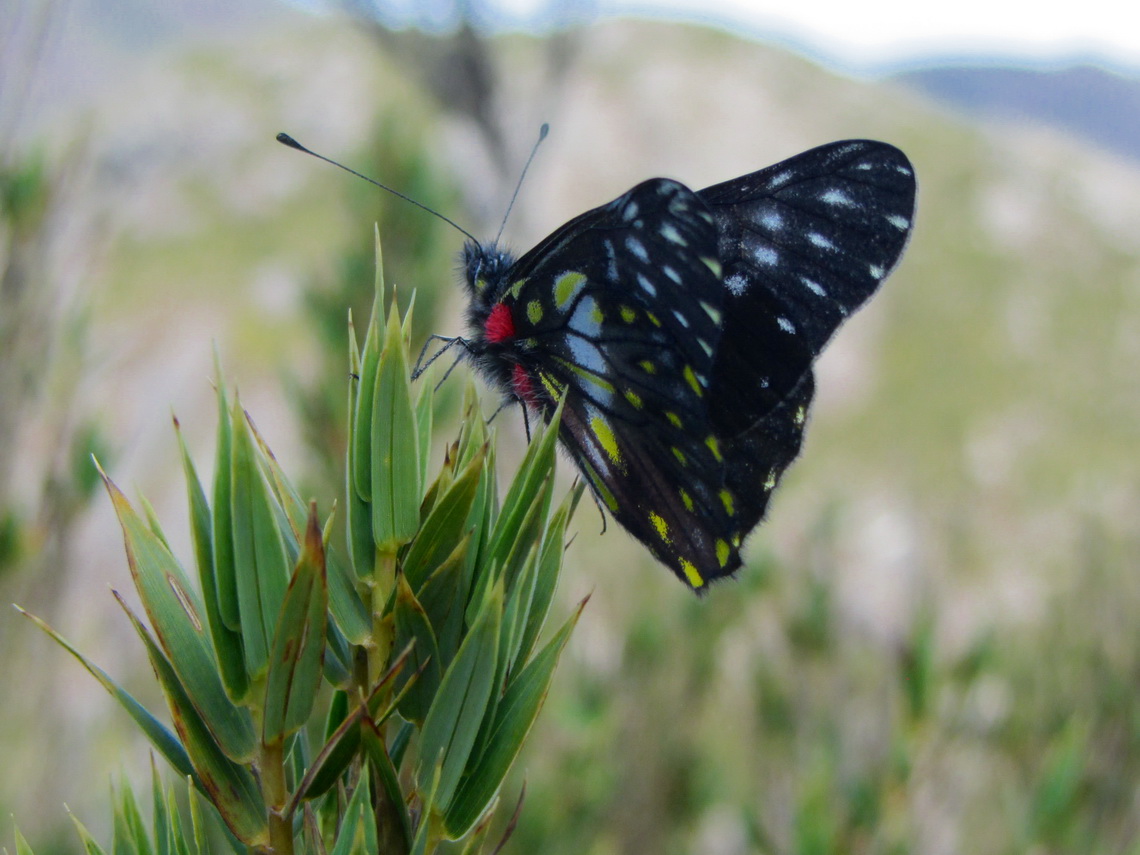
x=542, y=132
x=285, y=139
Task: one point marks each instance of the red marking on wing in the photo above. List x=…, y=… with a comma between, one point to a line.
x=523, y=387
x=499, y=325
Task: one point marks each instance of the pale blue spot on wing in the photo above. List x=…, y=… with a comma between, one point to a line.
x=584, y=321
x=766, y=255
x=813, y=286
x=737, y=283
x=837, y=197
x=820, y=240
x=637, y=248
x=611, y=256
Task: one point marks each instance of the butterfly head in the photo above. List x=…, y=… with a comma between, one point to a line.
x=485, y=269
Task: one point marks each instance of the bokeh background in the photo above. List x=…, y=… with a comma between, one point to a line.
x=934, y=646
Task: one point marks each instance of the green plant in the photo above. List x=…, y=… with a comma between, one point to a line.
x=366, y=704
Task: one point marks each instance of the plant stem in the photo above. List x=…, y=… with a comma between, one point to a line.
x=383, y=576
x=276, y=795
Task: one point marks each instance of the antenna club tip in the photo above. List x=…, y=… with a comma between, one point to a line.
x=543, y=131
x=285, y=139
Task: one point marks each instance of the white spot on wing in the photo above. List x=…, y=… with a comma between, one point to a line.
x=644, y=282
x=635, y=246
x=903, y=170
x=837, y=197
x=672, y=235
x=813, y=286
x=780, y=179
x=772, y=221
x=681, y=319
x=900, y=223
x=820, y=240
x=786, y=325
x=671, y=273
x=876, y=271
x=736, y=283
x=765, y=255
x=630, y=211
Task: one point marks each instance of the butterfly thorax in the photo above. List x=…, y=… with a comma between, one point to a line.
x=493, y=344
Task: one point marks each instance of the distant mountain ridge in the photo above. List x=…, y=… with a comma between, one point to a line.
x=1087, y=101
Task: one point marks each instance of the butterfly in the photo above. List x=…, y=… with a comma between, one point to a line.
x=680, y=327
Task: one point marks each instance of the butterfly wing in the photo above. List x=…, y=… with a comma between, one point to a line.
x=681, y=328
x=804, y=243
x=621, y=310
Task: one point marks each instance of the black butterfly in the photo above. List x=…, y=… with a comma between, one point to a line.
x=681, y=327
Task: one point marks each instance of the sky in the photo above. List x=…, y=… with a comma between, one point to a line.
x=872, y=33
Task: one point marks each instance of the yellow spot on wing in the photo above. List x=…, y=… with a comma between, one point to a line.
x=566, y=286
x=713, y=265
x=516, y=289
x=633, y=398
x=653, y=319
x=552, y=387
x=690, y=571
x=647, y=366
x=534, y=311
x=726, y=500
x=674, y=419
x=605, y=436
x=680, y=455
x=660, y=524
x=711, y=311
x=600, y=486
x=691, y=378
x=722, y=552
x=714, y=447
x=586, y=374
x=687, y=499
x=628, y=315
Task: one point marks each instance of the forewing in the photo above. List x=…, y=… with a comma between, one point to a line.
x=621, y=312
x=803, y=243
x=622, y=306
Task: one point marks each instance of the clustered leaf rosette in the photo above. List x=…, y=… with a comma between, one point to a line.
x=372, y=702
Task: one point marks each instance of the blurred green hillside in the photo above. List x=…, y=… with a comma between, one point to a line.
x=934, y=645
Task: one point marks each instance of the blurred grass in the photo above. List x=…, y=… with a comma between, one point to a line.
x=934, y=646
